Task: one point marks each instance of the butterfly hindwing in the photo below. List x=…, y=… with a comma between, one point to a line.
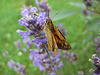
x=60, y=39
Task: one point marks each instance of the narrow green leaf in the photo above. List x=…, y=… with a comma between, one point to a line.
x=77, y=4
x=87, y=39
x=62, y=14
x=93, y=24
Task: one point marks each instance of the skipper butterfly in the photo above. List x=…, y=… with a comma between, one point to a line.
x=55, y=38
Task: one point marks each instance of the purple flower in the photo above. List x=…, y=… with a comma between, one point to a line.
x=27, y=42
x=24, y=49
x=52, y=73
x=21, y=70
x=18, y=64
x=11, y=63
x=37, y=40
x=61, y=64
x=34, y=9
x=95, y=39
x=43, y=6
x=41, y=67
x=36, y=1
x=88, y=3
x=71, y=57
x=41, y=18
x=25, y=13
x=33, y=22
x=40, y=42
x=22, y=21
x=56, y=67
x=86, y=21
x=95, y=74
x=17, y=67
x=86, y=12
x=23, y=34
x=18, y=44
x=43, y=61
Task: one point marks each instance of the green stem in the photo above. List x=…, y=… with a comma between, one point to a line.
x=50, y=59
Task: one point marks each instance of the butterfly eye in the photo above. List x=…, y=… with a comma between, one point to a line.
x=50, y=21
x=46, y=21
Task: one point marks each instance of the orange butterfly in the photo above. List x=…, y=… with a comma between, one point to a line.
x=55, y=38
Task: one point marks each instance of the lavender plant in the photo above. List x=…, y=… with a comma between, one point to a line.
x=96, y=63
x=96, y=58
x=18, y=44
x=71, y=57
x=80, y=73
x=17, y=67
x=27, y=42
x=97, y=43
x=91, y=7
x=35, y=22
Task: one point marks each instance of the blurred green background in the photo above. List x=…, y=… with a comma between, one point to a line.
x=81, y=40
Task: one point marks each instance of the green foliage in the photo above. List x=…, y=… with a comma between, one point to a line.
x=77, y=4
x=93, y=25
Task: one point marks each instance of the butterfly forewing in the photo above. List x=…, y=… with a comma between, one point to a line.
x=52, y=45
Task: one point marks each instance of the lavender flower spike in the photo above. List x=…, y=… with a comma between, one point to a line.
x=35, y=23
x=18, y=44
x=96, y=63
x=17, y=67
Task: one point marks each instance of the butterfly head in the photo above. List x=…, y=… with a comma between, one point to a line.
x=49, y=23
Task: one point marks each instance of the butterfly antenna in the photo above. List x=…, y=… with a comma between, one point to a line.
x=48, y=13
x=55, y=15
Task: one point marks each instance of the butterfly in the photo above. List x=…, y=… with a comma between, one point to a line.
x=55, y=38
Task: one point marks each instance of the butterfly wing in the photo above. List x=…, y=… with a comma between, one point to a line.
x=52, y=45
x=60, y=39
